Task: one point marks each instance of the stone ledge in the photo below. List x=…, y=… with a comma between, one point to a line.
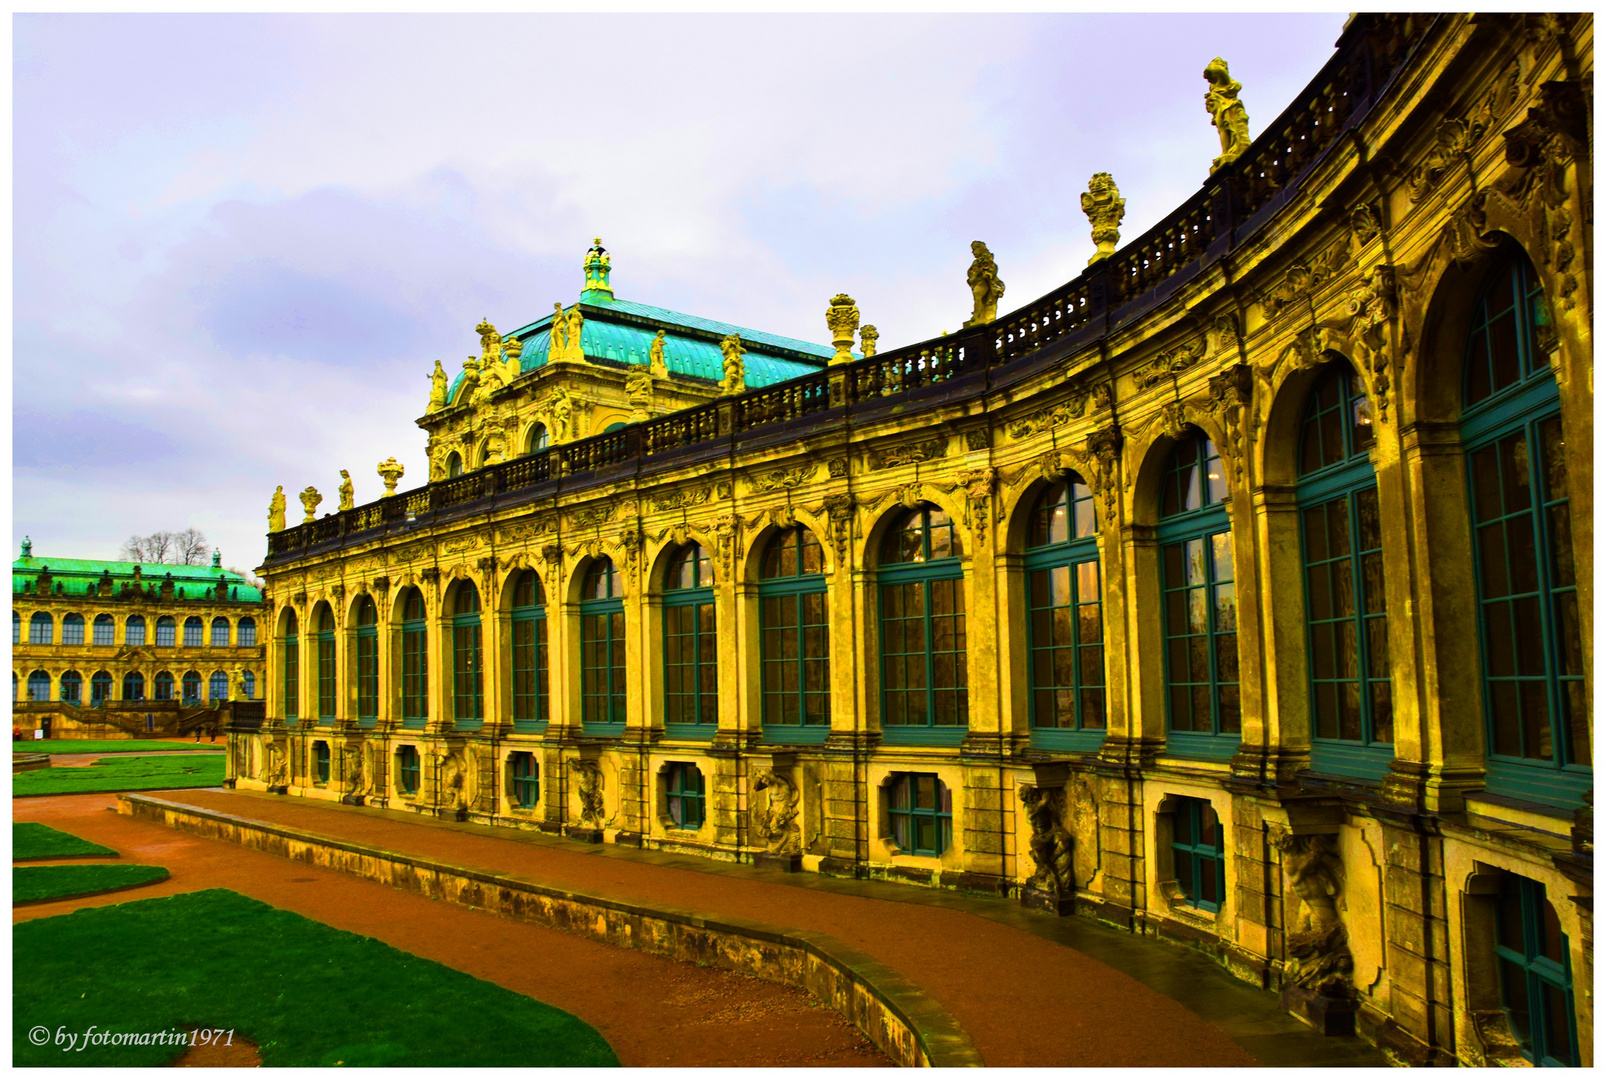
x=909, y=1027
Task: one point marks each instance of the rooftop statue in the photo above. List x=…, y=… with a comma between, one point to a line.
x=490, y=341
x=566, y=331
x=347, y=493
x=1226, y=113
x=655, y=357
x=735, y=380
x=638, y=391
x=985, y=287
x=275, y=512
x=1104, y=207
x=576, y=349
x=437, y=389
x=868, y=336
x=309, y=502
x=558, y=345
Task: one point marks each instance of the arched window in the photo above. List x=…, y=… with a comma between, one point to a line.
x=39, y=686
x=923, y=676
x=192, y=687
x=72, y=687
x=220, y=633
x=105, y=629
x=72, y=629
x=16, y=628
x=1199, y=611
x=290, y=674
x=250, y=686
x=691, y=646
x=326, y=663
x=617, y=425
x=133, y=686
x=415, y=661
x=1352, y=713
x=537, y=440
x=685, y=795
x=795, y=654
x=41, y=629
x=1536, y=712
x=367, y=616
x=166, y=631
x=1065, y=627
x=1536, y=978
x=247, y=631
x=529, y=653
x=194, y=629
x=454, y=465
x=467, y=658
x=164, y=686
x=602, y=647
x=134, y=630
x=100, y=688
x=217, y=687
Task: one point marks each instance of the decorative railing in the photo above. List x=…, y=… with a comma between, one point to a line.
x=1371, y=51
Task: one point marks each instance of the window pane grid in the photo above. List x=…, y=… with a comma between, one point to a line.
x=415, y=671
x=467, y=694
x=691, y=673
x=1199, y=854
x=1065, y=639
x=526, y=785
x=685, y=796
x=920, y=813
x=367, y=673
x=1346, y=624
x=529, y=664
x=1200, y=616
x=326, y=675
x=292, y=679
x=602, y=663
x=795, y=656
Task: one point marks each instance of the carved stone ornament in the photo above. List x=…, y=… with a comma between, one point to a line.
x=1303, y=279
x=908, y=454
x=868, y=336
x=1051, y=845
x=596, y=514
x=680, y=500
x=452, y=792
x=1170, y=363
x=347, y=492
x=276, y=510
x=781, y=479
x=1364, y=223
x=1319, y=956
x=842, y=318
x=1046, y=419
x=775, y=815
x=309, y=502
x=1453, y=141
x=977, y=438
x=735, y=380
x=589, y=786
x=837, y=467
x=841, y=511
x=1104, y=207
x=1104, y=447
x=390, y=472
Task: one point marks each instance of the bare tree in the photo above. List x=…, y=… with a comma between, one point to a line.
x=191, y=548
x=187, y=548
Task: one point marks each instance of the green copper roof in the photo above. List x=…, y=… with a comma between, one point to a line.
x=81, y=577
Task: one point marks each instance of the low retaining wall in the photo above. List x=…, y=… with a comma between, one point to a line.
x=21, y=762
x=907, y=1026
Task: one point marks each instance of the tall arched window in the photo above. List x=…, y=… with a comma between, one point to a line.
x=41, y=629
x=1200, y=610
x=164, y=686
x=217, y=687
x=72, y=629
x=192, y=687
x=795, y=655
x=194, y=629
x=39, y=686
x=529, y=653
x=133, y=686
x=415, y=661
x=691, y=646
x=1065, y=627
x=72, y=687
x=1536, y=712
x=454, y=465
x=290, y=674
x=220, y=633
x=166, y=631
x=100, y=688
x=924, y=685
x=134, y=630
x=248, y=631
x=602, y=648
x=367, y=616
x=1352, y=711
x=326, y=663
x=105, y=630
x=250, y=685
x=537, y=440
x=468, y=707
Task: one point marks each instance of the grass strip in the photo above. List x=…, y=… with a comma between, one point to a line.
x=31, y=840
x=107, y=746
x=32, y=884
x=305, y=993
x=123, y=774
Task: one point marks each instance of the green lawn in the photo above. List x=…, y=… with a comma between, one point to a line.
x=123, y=774
x=31, y=883
x=305, y=993
x=108, y=746
x=31, y=840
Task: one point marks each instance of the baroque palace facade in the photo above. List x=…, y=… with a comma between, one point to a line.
x=108, y=648
x=1239, y=591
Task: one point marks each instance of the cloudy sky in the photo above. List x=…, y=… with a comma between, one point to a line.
x=241, y=242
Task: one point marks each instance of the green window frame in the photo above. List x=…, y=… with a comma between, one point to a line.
x=164, y=686
x=1065, y=623
x=530, y=693
x=190, y=687
x=794, y=639
x=325, y=637
x=320, y=758
x=468, y=659
x=72, y=630
x=920, y=813
x=1536, y=715
x=72, y=686
x=100, y=688
x=39, y=686
x=685, y=795
x=1199, y=612
x=415, y=662
x=407, y=769
x=290, y=674
x=691, y=646
x=1198, y=853
x=1535, y=974
x=602, y=650
x=925, y=696
x=42, y=629
x=103, y=632
x=367, y=661
x=1346, y=622
x=525, y=775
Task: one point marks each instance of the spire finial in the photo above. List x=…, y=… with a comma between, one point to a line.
x=597, y=289
x=27, y=548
